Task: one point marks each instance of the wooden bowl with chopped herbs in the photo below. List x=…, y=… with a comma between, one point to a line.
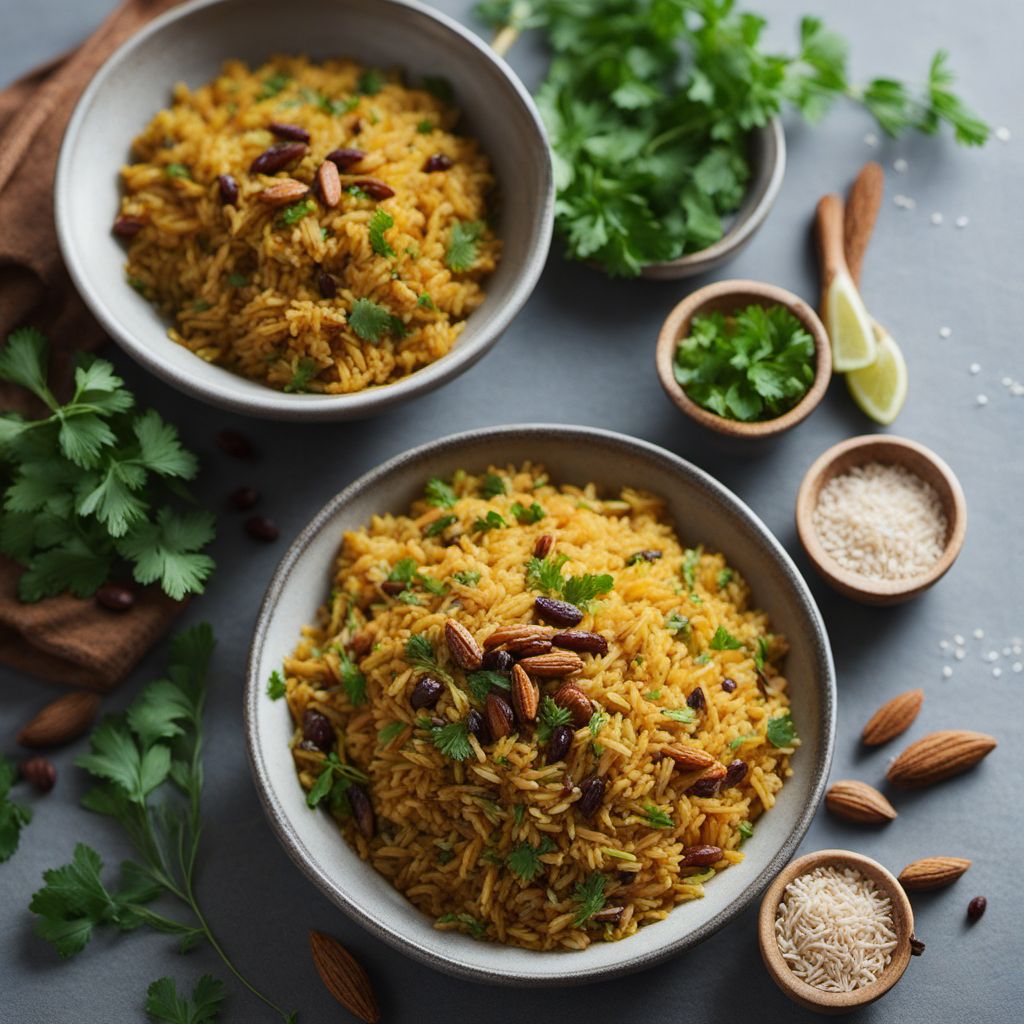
x=745, y=359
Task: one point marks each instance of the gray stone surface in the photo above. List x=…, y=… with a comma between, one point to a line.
x=582, y=352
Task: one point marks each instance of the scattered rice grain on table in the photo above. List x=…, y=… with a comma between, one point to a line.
x=494, y=836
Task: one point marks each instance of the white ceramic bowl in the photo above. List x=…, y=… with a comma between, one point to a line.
x=705, y=512
x=189, y=44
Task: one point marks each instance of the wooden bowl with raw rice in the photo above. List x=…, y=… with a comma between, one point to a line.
x=275, y=315
x=881, y=518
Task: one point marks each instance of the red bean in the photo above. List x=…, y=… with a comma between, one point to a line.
x=277, y=158
x=477, y=725
x=234, y=444
x=243, y=498
x=345, y=158
x=362, y=809
x=558, y=613
x=438, y=162
x=559, y=743
x=696, y=699
x=127, y=227
x=735, y=773
x=592, y=789
x=581, y=640
x=426, y=693
x=327, y=284
x=374, y=188
x=318, y=730
x=289, y=131
x=115, y=597
x=498, y=661
x=228, y=189
x=729, y=685
x=261, y=528
x=976, y=908
x=39, y=773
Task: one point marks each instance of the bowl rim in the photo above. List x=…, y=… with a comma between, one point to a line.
x=742, y=230
x=797, y=989
x=869, y=448
x=537, y=433
x=687, y=308
x=276, y=404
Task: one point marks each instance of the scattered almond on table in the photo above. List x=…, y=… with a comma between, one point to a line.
x=857, y=801
x=892, y=718
x=932, y=873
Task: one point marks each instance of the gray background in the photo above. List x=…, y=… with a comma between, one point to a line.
x=581, y=352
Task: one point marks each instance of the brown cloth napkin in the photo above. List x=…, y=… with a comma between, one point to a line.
x=64, y=639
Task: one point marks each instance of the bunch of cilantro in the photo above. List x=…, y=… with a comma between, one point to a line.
x=80, y=485
x=754, y=365
x=649, y=105
x=148, y=773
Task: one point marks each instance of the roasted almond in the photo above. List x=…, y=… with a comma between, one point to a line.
x=553, y=665
x=857, y=801
x=528, y=646
x=283, y=192
x=61, y=721
x=932, y=873
x=517, y=631
x=938, y=756
x=464, y=649
x=575, y=701
x=543, y=545
x=328, y=179
x=525, y=695
x=581, y=640
x=344, y=977
x=500, y=716
x=892, y=718
x=691, y=759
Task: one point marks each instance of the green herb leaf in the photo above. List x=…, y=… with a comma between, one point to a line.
x=533, y=514
x=581, y=590
x=352, y=679
x=439, y=493
x=273, y=85
x=371, y=321
x=305, y=370
x=524, y=860
x=597, y=722
x=762, y=651
x=467, y=920
x=745, y=829
x=590, y=897
x=658, y=818
x=545, y=574
x=291, y=215
x=549, y=717
x=740, y=740
x=237, y=280
x=679, y=714
x=467, y=579
x=724, y=578
x=678, y=624
x=492, y=486
x=379, y=223
x=275, y=686
x=781, y=731
x=723, y=640
x=439, y=525
x=691, y=560
x=390, y=732
x=163, y=1003
x=371, y=81
x=419, y=652
x=492, y=521
x=13, y=816
x=453, y=741
x=168, y=551
x=177, y=171
x=462, y=245
x=482, y=681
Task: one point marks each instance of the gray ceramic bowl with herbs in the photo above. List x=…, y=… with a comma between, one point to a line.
x=705, y=512
x=189, y=44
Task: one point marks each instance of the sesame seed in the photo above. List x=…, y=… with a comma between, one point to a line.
x=1007, y=382
x=900, y=165
x=959, y=640
x=982, y=399
x=979, y=634
x=871, y=139
x=945, y=332
x=992, y=656
x=1016, y=648
x=904, y=202
x=1017, y=389
x=943, y=645
x=1006, y=652
x=936, y=218
x=975, y=367
x=997, y=672
x=1002, y=133
x=947, y=672
x=962, y=222
x=959, y=654
x=1018, y=666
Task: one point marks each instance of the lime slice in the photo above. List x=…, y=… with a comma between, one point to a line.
x=849, y=326
x=881, y=388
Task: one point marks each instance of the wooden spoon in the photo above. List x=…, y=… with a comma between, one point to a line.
x=863, y=202
x=828, y=220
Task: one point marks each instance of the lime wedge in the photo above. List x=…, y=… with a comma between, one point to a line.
x=881, y=388
x=849, y=326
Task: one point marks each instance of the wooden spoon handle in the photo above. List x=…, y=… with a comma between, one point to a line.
x=863, y=202
x=829, y=225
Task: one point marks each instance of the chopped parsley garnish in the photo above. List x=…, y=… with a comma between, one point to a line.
x=291, y=215
x=679, y=714
x=305, y=370
x=237, y=280
x=371, y=81
x=740, y=740
x=781, y=731
x=723, y=640
x=581, y=590
x=462, y=244
x=13, y=816
x=653, y=694
x=467, y=579
x=403, y=571
x=481, y=682
x=551, y=716
x=425, y=301
x=165, y=1003
x=445, y=856
x=379, y=223
x=492, y=521
x=745, y=829
x=273, y=85
x=590, y=897
x=333, y=780
x=545, y=574
x=492, y=486
x=439, y=525
x=691, y=559
x=425, y=127
x=533, y=514
x=371, y=321
x=431, y=585
x=678, y=624
x=753, y=365
x=177, y=171
x=390, y=732
x=524, y=860
x=761, y=654
x=439, y=493
x=703, y=659
x=452, y=740
x=467, y=920
x=275, y=686
x=419, y=652
x=597, y=722
x=352, y=679
x=657, y=818
x=723, y=578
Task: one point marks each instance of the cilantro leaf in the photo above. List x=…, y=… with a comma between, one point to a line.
x=439, y=525
x=581, y=590
x=483, y=680
x=550, y=716
x=723, y=640
x=439, y=493
x=390, y=732
x=371, y=321
x=275, y=686
x=163, y=1003
x=169, y=550
x=23, y=361
x=658, y=818
x=545, y=574
x=475, y=927
x=453, y=741
x=781, y=731
x=13, y=816
x=462, y=249
x=305, y=370
x=492, y=486
x=492, y=521
x=678, y=625
x=590, y=897
x=745, y=829
x=352, y=678
x=419, y=652
x=72, y=565
x=533, y=514
x=524, y=860
x=160, y=449
x=371, y=81
x=679, y=714
x=379, y=223
x=467, y=579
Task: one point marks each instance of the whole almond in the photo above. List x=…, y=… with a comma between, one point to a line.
x=857, y=801
x=464, y=649
x=544, y=543
x=575, y=701
x=344, y=977
x=517, y=631
x=283, y=192
x=330, y=183
x=892, y=718
x=61, y=721
x=932, y=873
x=553, y=665
x=938, y=756
x=500, y=716
x=690, y=759
x=525, y=695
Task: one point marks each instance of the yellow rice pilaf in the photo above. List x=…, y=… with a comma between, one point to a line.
x=244, y=282
x=445, y=829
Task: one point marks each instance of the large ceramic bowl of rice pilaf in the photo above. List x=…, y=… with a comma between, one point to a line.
x=530, y=691
x=321, y=209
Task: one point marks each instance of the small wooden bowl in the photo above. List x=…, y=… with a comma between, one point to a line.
x=815, y=998
x=727, y=297
x=893, y=451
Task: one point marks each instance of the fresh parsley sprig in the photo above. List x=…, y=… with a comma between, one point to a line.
x=545, y=575
x=80, y=485
x=164, y=1003
x=419, y=652
x=13, y=816
x=590, y=897
x=154, y=748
